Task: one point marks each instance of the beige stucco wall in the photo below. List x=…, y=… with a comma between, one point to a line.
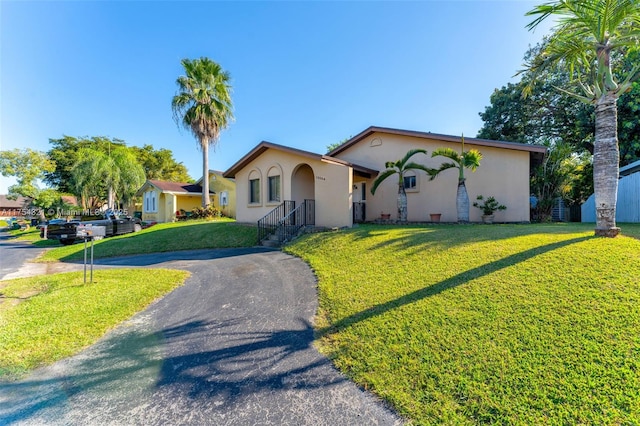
x=503, y=173
x=331, y=187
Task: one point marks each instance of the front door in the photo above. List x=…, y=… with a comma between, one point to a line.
x=360, y=202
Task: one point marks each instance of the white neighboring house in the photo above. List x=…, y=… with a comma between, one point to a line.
x=628, y=205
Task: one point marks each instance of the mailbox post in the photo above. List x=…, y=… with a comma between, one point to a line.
x=88, y=233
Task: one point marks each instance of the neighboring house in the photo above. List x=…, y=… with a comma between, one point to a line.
x=225, y=192
x=340, y=181
x=628, y=205
x=20, y=207
x=163, y=200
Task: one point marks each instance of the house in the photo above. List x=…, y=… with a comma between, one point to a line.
x=20, y=207
x=162, y=200
x=628, y=204
x=339, y=182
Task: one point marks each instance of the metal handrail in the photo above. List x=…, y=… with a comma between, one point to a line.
x=286, y=220
x=269, y=223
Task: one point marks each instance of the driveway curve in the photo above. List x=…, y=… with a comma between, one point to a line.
x=233, y=346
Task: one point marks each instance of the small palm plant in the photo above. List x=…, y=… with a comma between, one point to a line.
x=488, y=206
x=400, y=167
x=459, y=160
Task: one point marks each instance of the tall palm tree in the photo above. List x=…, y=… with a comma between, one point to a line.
x=587, y=34
x=203, y=106
x=462, y=160
x=400, y=167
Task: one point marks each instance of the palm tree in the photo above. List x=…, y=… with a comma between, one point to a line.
x=203, y=106
x=116, y=172
x=400, y=167
x=464, y=159
x=587, y=34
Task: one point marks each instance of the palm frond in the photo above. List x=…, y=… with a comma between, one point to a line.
x=381, y=178
x=433, y=173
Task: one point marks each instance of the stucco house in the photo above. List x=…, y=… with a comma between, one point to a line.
x=162, y=200
x=273, y=179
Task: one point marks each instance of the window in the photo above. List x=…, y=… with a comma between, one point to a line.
x=254, y=190
x=410, y=182
x=150, y=202
x=274, y=189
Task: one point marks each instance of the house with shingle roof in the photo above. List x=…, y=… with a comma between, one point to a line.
x=164, y=201
x=281, y=186
x=14, y=207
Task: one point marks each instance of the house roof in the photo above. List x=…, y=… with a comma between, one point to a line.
x=19, y=203
x=174, y=187
x=630, y=168
x=264, y=145
x=537, y=151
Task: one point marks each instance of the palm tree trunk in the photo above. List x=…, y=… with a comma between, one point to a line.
x=205, y=173
x=606, y=159
x=402, y=204
x=110, y=197
x=462, y=202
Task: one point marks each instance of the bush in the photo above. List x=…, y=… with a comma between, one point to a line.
x=208, y=213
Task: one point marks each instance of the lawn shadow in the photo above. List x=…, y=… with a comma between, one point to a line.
x=445, y=236
x=447, y=284
x=208, y=362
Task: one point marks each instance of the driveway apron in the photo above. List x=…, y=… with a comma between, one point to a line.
x=233, y=346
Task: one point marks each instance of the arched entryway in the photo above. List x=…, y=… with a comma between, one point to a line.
x=302, y=184
x=303, y=189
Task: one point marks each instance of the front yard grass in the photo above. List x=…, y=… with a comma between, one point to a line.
x=44, y=319
x=493, y=324
x=163, y=237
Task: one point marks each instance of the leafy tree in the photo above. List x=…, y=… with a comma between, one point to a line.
x=334, y=145
x=555, y=177
x=203, y=106
x=462, y=160
x=548, y=114
x=400, y=167
x=118, y=172
x=28, y=166
x=159, y=164
x=587, y=34
x=64, y=153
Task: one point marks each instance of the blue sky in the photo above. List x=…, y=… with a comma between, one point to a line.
x=304, y=74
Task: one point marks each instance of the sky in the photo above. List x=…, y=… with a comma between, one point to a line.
x=304, y=74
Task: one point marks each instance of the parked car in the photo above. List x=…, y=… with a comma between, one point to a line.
x=114, y=224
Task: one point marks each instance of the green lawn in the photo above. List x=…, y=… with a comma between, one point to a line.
x=163, y=237
x=489, y=324
x=44, y=319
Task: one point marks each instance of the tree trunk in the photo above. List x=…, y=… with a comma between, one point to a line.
x=402, y=204
x=205, y=173
x=110, y=197
x=462, y=202
x=606, y=159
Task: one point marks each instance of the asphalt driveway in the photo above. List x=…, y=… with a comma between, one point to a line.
x=233, y=346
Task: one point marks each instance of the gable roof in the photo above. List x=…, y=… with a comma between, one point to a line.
x=19, y=203
x=536, y=151
x=264, y=145
x=174, y=187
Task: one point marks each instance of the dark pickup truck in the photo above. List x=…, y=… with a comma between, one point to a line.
x=67, y=232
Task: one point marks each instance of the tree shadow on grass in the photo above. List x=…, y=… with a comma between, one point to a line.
x=451, y=235
x=213, y=362
x=450, y=283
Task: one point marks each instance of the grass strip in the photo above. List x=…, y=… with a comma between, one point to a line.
x=164, y=237
x=46, y=318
